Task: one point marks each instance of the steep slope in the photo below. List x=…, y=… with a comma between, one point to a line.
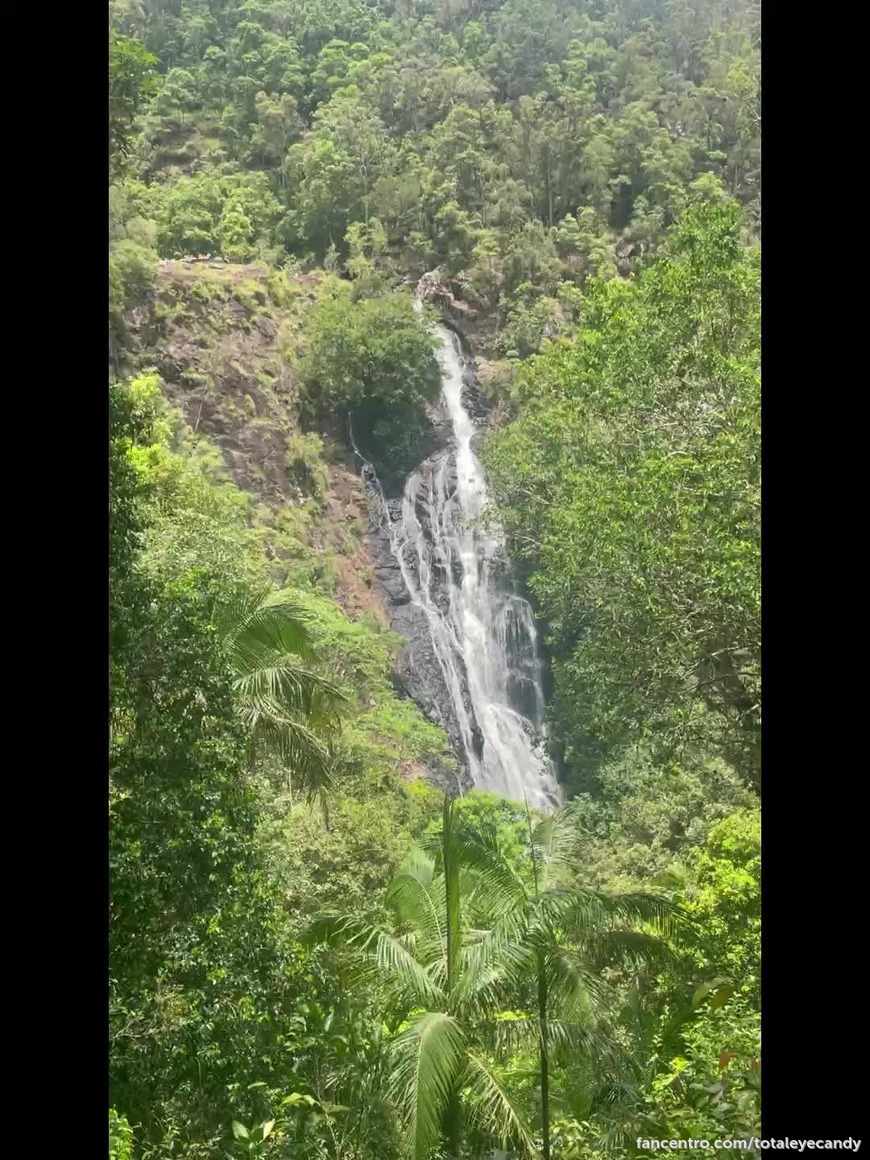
x=222, y=338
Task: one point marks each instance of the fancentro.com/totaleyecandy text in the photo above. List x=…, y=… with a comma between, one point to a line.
x=751, y=1144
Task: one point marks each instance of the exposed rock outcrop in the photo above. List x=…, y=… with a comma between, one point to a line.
x=434, y=288
x=418, y=673
x=418, y=670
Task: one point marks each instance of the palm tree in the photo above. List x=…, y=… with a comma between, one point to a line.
x=551, y=938
x=440, y=1077
x=290, y=711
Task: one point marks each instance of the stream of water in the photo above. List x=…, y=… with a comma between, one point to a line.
x=483, y=634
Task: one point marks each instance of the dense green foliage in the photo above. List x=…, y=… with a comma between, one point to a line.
x=132, y=81
x=225, y=1019
x=313, y=954
x=214, y=1003
x=372, y=362
x=521, y=144
x=630, y=481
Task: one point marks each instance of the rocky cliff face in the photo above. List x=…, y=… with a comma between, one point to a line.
x=435, y=289
x=214, y=333
x=418, y=671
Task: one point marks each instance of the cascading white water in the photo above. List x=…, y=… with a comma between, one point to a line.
x=483, y=635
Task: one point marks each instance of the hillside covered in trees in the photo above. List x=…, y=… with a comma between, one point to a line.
x=324, y=942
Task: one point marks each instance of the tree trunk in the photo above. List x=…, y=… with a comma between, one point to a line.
x=451, y=1125
x=451, y=899
x=543, y=1003
x=451, y=890
x=545, y=1058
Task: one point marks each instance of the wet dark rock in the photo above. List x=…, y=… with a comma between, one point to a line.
x=419, y=675
x=418, y=672
x=389, y=576
x=472, y=398
x=452, y=780
x=441, y=433
x=435, y=289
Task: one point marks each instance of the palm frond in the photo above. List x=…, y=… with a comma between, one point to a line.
x=592, y=1039
x=290, y=711
x=617, y=1139
x=264, y=622
x=428, y=1059
x=571, y=908
x=631, y=948
x=383, y=954
x=279, y=687
x=649, y=908
x=557, y=843
x=232, y=609
x=491, y=1107
x=672, y=1037
x=519, y=1033
x=299, y=749
x=503, y=954
x=418, y=900
x=496, y=885
x=510, y=1033
x=574, y=982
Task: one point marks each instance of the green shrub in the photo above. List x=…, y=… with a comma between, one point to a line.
x=370, y=367
x=120, y=1137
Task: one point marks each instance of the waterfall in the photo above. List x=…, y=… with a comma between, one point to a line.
x=483, y=634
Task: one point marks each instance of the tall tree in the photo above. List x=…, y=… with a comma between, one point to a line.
x=630, y=483
x=441, y=1079
x=289, y=709
x=552, y=938
x=132, y=81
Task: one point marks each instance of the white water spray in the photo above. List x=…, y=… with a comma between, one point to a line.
x=483, y=635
